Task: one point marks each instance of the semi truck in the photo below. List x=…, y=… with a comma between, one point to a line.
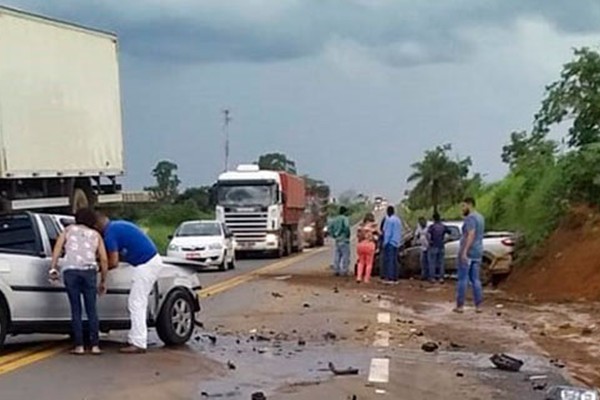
x=61, y=144
x=263, y=209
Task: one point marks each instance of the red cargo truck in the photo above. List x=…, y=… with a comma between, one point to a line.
x=263, y=209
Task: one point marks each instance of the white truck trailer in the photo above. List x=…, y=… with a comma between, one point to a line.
x=61, y=143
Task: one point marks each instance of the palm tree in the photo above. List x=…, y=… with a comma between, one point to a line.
x=439, y=178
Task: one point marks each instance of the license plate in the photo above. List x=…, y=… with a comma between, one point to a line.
x=246, y=245
x=192, y=256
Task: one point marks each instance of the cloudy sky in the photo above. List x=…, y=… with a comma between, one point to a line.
x=353, y=90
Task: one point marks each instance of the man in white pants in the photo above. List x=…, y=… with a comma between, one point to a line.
x=127, y=242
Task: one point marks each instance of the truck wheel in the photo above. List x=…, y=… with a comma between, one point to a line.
x=175, y=323
x=289, y=248
x=3, y=323
x=79, y=200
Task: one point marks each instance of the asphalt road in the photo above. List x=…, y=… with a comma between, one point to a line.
x=273, y=326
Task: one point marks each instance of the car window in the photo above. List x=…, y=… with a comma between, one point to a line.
x=454, y=232
x=51, y=229
x=19, y=235
x=199, y=229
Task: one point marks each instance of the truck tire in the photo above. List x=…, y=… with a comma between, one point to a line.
x=3, y=322
x=79, y=200
x=289, y=248
x=175, y=323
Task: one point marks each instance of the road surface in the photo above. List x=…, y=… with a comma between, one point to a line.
x=273, y=326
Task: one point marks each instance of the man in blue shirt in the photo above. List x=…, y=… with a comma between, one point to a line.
x=392, y=239
x=437, y=234
x=126, y=242
x=470, y=255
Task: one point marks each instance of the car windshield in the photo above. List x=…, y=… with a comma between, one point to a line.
x=199, y=229
x=247, y=195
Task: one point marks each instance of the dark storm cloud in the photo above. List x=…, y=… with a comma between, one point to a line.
x=261, y=31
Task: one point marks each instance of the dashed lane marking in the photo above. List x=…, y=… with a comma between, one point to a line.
x=384, y=318
x=379, y=371
x=382, y=339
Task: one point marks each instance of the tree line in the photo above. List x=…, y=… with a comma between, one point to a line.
x=546, y=176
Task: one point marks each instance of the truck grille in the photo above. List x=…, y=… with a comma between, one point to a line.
x=247, y=226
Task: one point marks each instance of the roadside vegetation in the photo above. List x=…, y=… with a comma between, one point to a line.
x=546, y=177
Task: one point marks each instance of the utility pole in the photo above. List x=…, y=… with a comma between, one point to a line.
x=226, y=121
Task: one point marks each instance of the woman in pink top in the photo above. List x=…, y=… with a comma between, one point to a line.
x=82, y=247
x=366, y=248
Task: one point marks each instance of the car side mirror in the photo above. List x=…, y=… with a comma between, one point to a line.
x=170, y=237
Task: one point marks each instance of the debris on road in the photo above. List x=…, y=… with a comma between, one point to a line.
x=456, y=346
x=306, y=305
x=301, y=342
x=231, y=365
x=366, y=299
x=330, y=336
x=276, y=295
x=460, y=375
x=258, y=396
x=283, y=277
x=347, y=371
x=557, y=363
x=430, y=347
x=588, y=330
x=213, y=339
x=505, y=362
x=336, y=290
x=363, y=329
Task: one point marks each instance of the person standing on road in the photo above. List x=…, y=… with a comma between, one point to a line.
x=126, y=242
x=422, y=240
x=470, y=255
x=82, y=247
x=437, y=243
x=340, y=232
x=392, y=239
x=365, y=248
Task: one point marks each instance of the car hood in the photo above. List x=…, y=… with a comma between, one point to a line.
x=197, y=241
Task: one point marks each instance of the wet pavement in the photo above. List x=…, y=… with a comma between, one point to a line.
x=277, y=333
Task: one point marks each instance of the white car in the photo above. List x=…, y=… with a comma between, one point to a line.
x=207, y=242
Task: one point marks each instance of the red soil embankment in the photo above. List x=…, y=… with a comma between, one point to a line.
x=567, y=267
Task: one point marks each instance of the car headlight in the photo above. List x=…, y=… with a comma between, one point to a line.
x=308, y=229
x=215, y=246
x=173, y=247
x=571, y=393
x=271, y=237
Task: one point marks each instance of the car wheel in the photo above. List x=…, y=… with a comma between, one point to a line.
x=175, y=323
x=223, y=265
x=486, y=275
x=231, y=264
x=3, y=324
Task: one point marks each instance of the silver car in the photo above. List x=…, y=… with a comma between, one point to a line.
x=31, y=303
x=498, y=248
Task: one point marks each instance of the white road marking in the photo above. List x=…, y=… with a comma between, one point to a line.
x=380, y=370
x=384, y=318
x=385, y=304
x=382, y=339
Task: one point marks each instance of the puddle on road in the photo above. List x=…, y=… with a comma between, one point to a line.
x=265, y=366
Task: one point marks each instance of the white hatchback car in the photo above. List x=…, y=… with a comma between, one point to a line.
x=207, y=242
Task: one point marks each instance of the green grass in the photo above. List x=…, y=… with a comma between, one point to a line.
x=159, y=234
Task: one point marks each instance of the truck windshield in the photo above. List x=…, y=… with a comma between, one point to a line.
x=247, y=195
x=199, y=229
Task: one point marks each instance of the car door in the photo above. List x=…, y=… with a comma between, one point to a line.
x=25, y=260
x=452, y=248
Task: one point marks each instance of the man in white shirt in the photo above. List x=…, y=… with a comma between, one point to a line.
x=422, y=240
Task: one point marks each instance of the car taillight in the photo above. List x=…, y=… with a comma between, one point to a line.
x=508, y=242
